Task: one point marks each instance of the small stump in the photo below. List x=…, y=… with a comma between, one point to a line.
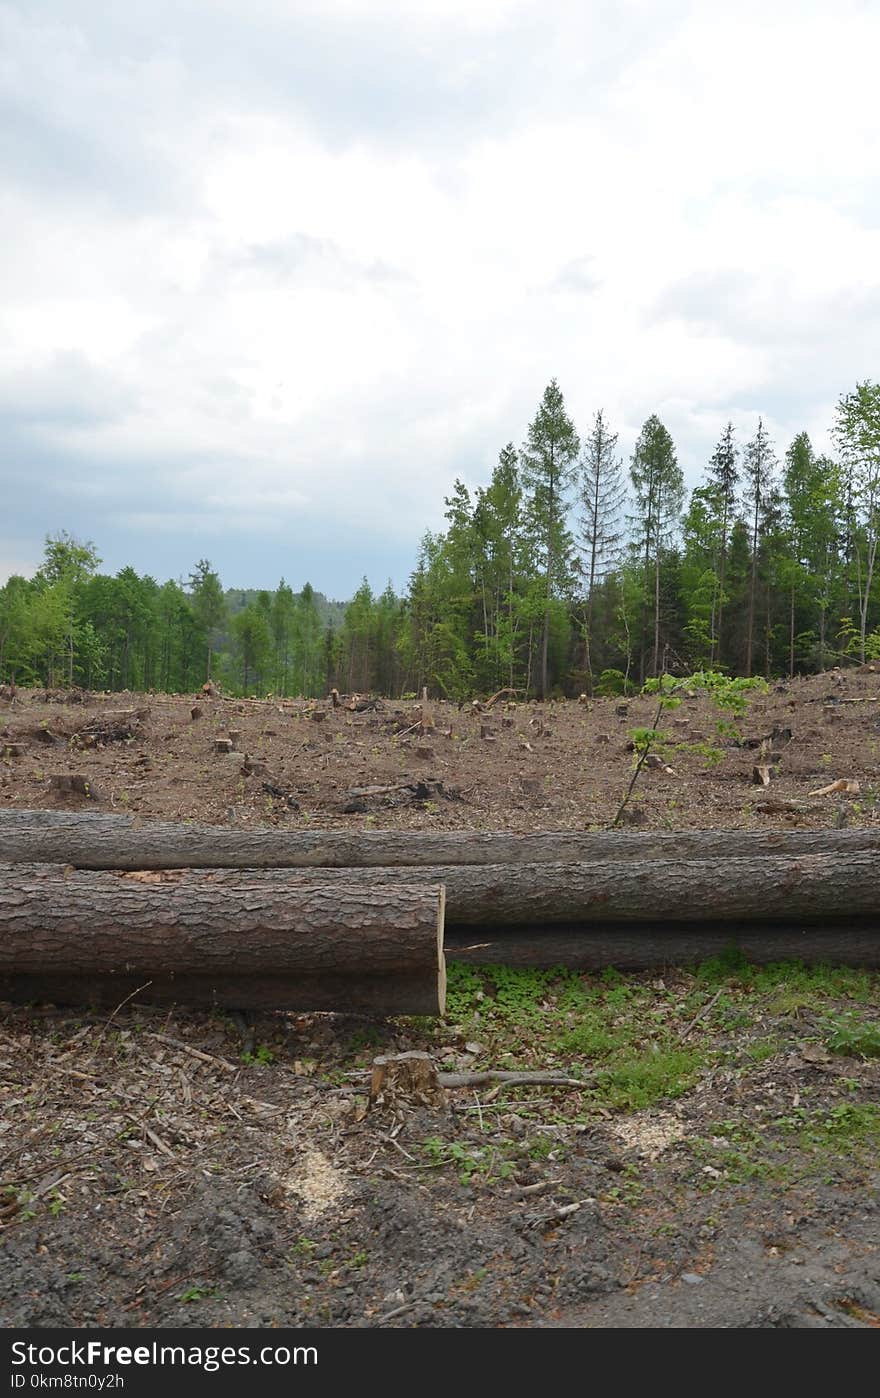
x=399, y=1078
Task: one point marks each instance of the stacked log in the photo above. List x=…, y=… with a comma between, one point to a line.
x=95, y=906
x=100, y=937
x=94, y=840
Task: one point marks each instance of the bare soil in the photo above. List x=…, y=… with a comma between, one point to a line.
x=177, y=1168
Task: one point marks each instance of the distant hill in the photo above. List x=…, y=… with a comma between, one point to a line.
x=331, y=613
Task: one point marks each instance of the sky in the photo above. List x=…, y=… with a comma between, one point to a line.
x=275, y=272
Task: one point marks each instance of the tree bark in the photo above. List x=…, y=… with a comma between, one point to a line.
x=93, y=840
x=812, y=886
x=251, y=941
x=635, y=946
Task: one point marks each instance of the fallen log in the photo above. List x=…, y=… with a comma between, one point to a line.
x=772, y=887
x=101, y=841
x=642, y=946
x=96, y=938
x=775, y=886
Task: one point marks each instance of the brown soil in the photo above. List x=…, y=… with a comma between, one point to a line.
x=540, y=766
x=178, y=1168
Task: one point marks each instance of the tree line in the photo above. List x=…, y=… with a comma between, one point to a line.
x=570, y=571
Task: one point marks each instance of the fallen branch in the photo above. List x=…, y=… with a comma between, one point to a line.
x=509, y=1079
x=699, y=1015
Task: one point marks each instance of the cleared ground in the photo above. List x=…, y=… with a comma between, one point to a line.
x=718, y=1166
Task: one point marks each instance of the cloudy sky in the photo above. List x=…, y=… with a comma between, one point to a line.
x=275, y=272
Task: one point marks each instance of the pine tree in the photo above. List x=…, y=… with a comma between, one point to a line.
x=208, y=604
x=658, y=484
x=601, y=497
x=548, y=463
x=857, y=431
x=760, y=460
x=282, y=624
x=814, y=503
x=723, y=475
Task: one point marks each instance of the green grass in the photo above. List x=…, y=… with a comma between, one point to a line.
x=608, y=1024
x=854, y=1035
x=625, y=1032
x=803, y=1144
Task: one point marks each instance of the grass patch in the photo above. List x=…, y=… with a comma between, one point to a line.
x=640, y=1080
x=638, y=1040
x=853, y=1035
x=801, y=1145
x=616, y=1026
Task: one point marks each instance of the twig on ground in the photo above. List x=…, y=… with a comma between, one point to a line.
x=700, y=1013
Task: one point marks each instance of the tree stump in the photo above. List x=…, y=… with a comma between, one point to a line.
x=399, y=1078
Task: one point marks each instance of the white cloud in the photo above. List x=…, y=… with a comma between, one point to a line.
x=278, y=272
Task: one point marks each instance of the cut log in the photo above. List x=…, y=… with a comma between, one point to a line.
x=81, y=938
x=93, y=840
x=773, y=887
x=640, y=946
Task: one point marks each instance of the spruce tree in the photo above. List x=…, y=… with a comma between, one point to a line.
x=723, y=475
x=759, y=462
x=208, y=603
x=857, y=431
x=548, y=463
x=601, y=491
x=658, y=484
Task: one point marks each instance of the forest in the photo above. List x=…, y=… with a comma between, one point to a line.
x=571, y=571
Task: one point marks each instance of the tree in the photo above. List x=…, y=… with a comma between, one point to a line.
x=857, y=431
x=814, y=503
x=308, y=633
x=282, y=621
x=252, y=646
x=601, y=497
x=702, y=529
x=658, y=484
x=497, y=525
x=723, y=475
x=208, y=604
x=758, y=469
x=67, y=563
x=548, y=460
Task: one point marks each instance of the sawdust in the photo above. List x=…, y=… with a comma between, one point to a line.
x=650, y=1134
x=318, y=1184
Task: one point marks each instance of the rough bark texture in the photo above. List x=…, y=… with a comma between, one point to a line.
x=771, y=887
x=96, y=841
x=590, y=946
x=287, y=941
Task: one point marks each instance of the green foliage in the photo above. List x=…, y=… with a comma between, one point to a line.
x=613, y=682
x=199, y=1292
x=573, y=1020
x=468, y=1160
x=763, y=575
x=854, y=1035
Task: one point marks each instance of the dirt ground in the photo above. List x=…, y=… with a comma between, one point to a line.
x=718, y=1167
